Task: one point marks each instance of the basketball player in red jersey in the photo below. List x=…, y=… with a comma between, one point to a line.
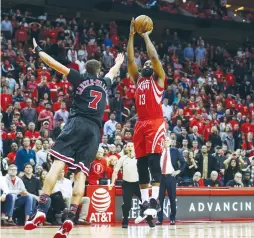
x=149, y=131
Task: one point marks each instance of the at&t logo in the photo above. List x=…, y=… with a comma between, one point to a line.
x=101, y=201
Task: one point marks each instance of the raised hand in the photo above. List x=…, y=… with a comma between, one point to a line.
x=119, y=59
x=132, y=27
x=146, y=34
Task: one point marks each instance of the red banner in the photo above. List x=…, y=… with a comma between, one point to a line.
x=102, y=206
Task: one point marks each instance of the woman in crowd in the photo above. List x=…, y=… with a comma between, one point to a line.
x=190, y=167
x=112, y=161
x=214, y=137
x=232, y=167
x=130, y=184
x=43, y=176
x=47, y=165
x=37, y=146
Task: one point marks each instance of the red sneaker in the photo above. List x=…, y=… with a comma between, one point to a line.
x=38, y=219
x=64, y=230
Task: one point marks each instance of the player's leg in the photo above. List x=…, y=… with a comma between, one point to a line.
x=155, y=170
x=154, y=136
x=142, y=166
x=77, y=194
x=45, y=201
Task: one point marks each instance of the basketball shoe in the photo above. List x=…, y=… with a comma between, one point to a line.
x=142, y=216
x=153, y=208
x=65, y=229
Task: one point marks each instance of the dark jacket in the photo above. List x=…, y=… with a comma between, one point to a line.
x=177, y=159
x=211, y=163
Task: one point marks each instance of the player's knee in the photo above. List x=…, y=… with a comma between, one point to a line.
x=155, y=167
x=77, y=193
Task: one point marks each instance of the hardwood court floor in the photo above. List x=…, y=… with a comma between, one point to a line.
x=192, y=230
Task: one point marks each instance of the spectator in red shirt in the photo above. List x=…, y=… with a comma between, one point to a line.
x=197, y=180
x=6, y=98
x=112, y=151
x=32, y=134
x=112, y=161
x=21, y=35
x=47, y=115
x=98, y=168
x=57, y=104
x=248, y=145
x=64, y=85
x=45, y=73
x=230, y=78
x=12, y=155
x=11, y=135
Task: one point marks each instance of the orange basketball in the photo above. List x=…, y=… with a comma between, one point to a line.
x=143, y=24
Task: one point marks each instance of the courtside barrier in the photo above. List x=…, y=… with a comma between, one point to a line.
x=192, y=204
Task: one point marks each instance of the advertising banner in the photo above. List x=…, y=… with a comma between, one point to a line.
x=102, y=206
x=200, y=207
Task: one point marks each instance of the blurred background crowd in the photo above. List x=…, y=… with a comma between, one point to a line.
x=207, y=104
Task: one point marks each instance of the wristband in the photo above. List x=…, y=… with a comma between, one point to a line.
x=38, y=49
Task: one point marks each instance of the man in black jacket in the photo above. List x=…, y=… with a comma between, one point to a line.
x=117, y=106
x=206, y=162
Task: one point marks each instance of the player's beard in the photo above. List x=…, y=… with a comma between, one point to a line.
x=147, y=72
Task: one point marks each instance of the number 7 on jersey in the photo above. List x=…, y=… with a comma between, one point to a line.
x=96, y=99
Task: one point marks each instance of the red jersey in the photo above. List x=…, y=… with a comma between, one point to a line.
x=98, y=170
x=64, y=85
x=219, y=76
x=148, y=98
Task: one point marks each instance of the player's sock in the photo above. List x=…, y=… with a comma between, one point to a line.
x=144, y=194
x=72, y=212
x=155, y=192
x=44, y=203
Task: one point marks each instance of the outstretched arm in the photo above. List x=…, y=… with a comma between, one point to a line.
x=114, y=70
x=132, y=67
x=48, y=60
x=152, y=53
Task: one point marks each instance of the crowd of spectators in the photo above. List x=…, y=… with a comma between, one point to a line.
x=202, y=9
x=207, y=105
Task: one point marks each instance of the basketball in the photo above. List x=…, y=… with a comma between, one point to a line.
x=143, y=24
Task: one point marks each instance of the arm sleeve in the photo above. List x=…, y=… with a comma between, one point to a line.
x=74, y=77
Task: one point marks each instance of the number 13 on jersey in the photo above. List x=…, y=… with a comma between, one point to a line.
x=142, y=99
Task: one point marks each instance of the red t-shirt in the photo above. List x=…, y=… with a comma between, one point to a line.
x=64, y=85
x=53, y=86
x=56, y=106
x=230, y=79
x=12, y=157
x=21, y=36
x=219, y=76
x=11, y=135
x=98, y=169
x=229, y=102
x=32, y=134
x=246, y=127
x=5, y=100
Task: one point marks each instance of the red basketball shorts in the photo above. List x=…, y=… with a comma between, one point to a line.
x=149, y=136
